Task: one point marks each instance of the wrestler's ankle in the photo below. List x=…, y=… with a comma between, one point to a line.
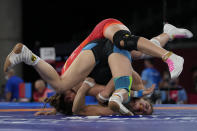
x=166, y=55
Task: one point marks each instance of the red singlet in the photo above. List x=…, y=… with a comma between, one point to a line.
x=97, y=33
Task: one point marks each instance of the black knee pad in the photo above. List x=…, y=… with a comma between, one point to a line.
x=130, y=41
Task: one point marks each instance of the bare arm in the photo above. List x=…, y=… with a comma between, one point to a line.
x=104, y=95
x=137, y=82
x=80, y=108
x=52, y=112
x=139, y=85
x=108, y=89
x=95, y=90
x=145, y=91
x=95, y=110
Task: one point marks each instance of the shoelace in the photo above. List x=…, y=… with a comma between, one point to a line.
x=170, y=64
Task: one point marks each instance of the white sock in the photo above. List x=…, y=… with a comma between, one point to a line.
x=155, y=42
x=29, y=57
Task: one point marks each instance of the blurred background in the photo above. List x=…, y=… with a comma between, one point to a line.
x=62, y=25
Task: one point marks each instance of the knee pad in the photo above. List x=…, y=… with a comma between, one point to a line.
x=123, y=82
x=130, y=41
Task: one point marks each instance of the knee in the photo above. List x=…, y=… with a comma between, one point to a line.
x=129, y=41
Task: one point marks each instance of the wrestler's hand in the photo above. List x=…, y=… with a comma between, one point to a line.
x=101, y=99
x=50, y=113
x=103, y=96
x=88, y=83
x=149, y=90
x=39, y=113
x=44, y=113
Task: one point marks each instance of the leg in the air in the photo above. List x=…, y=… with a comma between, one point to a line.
x=78, y=70
x=122, y=74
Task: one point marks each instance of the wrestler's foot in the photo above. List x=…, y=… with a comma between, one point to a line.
x=115, y=104
x=175, y=32
x=175, y=64
x=19, y=54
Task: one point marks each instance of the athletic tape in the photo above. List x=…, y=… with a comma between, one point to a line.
x=102, y=98
x=138, y=93
x=91, y=84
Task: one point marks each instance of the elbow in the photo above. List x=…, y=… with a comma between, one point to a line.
x=78, y=111
x=75, y=111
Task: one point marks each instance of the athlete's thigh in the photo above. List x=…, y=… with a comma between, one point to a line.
x=80, y=68
x=112, y=29
x=120, y=65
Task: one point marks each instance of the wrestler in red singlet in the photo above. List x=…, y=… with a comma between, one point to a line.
x=97, y=33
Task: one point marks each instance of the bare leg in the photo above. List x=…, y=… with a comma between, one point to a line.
x=104, y=95
x=120, y=66
x=146, y=46
x=175, y=62
x=77, y=72
x=143, y=44
x=159, y=40
x=47, y=72
x=162, y=38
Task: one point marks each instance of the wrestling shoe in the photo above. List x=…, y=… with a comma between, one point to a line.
x=175, y=64
x=115, y=104
x=20, y=53
x=175, y=32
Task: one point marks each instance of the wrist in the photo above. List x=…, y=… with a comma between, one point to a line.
x=138, y=94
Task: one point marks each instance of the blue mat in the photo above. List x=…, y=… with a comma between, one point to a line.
x=162, y=120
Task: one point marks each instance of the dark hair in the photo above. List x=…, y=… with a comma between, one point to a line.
x=58, y=102
x=151, y=105
x=146, y=99
x=150, y=60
